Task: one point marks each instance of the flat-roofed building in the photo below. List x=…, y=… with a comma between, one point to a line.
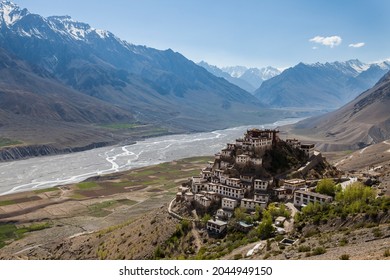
x=295, y=143
x=302, y=198
x=229, y=203
x=261, y=185
x=294, y=184
x=308, y=149
x=242, y=159
x=264, y=197
x=224, y=214
x=216, y=226
x=250, y=204
x=232, y=192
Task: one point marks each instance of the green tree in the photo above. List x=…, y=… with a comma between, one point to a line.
x=266, y=228
x=326, y=186
x=239, y=213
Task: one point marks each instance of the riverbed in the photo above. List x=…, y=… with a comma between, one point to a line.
x=49, y=171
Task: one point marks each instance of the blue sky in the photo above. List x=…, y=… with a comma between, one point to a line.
x=253, y=33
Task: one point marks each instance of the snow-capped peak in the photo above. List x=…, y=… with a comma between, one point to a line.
x=75, y=29
x=10, y=13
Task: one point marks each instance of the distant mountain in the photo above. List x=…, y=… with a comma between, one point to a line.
x=320, y=85
x=144, y=84
x=234, y=80
x=246, y=78
x=254, y=76
x=361, y=122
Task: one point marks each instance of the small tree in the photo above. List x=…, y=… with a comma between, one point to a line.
x=326, y=186
x=266, y=228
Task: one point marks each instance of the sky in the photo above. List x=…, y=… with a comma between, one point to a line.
x=252, y=33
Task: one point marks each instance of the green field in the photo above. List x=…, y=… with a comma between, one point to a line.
x=4, y=142
x=10, y=232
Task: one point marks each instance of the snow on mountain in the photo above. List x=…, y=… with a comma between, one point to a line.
x=235, y=71
x=10, y=13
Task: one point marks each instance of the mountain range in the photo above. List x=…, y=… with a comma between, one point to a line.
x=57, y=69
x=249, y=79
x=320, y=85
x=361, y=122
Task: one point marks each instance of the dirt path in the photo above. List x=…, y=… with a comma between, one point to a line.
x=195, y=233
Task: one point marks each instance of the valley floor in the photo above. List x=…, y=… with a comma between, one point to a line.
x=125, y=216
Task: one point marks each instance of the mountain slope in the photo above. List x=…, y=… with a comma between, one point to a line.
x=323, y=86
x=159, y=87
x=363, y=121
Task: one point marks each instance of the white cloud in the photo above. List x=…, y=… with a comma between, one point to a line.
x=330, y=41
x=357, y=45
x=314, y=48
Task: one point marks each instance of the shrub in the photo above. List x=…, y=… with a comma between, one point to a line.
x=344, y=257
x=319, y=251
x=304, y=248
x=386, y=254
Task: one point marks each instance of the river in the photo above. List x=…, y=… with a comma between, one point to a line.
x=49, y=171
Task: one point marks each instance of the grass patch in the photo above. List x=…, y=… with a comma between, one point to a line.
x=127, y=202
x=100, y=209
x=120, y=126
x=77, y=196
x=46, y=190
x=87, y=185
x=7, y=202
x=10, y=232
x=4, y=142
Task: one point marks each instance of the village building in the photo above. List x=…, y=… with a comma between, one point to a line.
x=213, y=196
x=229, y=204
x=294, y=184
x=231, y=147
x=302, y=198
x=233, y=182
x=261, y=185
x=200, y=186
x=215, y=226
x=202, y=200
x=263, y=197
x=244, y=227
x=242, y=159
x=279, y=221
x=226, y=153
x=232, y=192
x=182, y=189
x=188, y=196
x=250, y=204
x=224, y=214
x=280, y=193
x=295, y=143
x=308, y=149
x=246, y=178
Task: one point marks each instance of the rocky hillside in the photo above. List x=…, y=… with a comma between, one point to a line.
x=362, y=122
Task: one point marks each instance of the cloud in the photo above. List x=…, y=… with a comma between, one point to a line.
x=330, y=41
x=357, y=45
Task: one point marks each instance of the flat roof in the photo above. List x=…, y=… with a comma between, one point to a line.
x=319, y=195
x=217, y=222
